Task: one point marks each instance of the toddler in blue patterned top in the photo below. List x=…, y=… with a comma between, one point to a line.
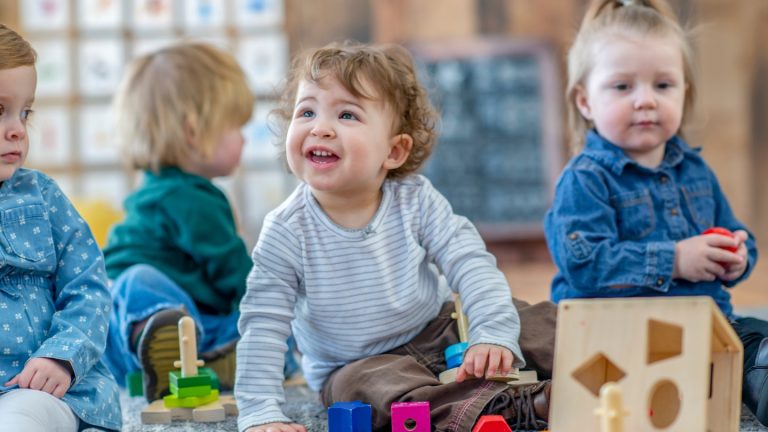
x=54, y=302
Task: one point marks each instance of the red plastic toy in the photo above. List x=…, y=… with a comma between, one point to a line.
x=491, y=423
x=723, y=232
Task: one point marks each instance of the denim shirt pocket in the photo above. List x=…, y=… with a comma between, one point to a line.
x=634, y=213
x=27, y=233
x=701, y=202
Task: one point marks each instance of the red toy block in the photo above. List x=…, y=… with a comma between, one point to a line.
x=491, y=423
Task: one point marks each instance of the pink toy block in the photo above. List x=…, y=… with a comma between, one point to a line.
x=410, y=417
x=491, y=423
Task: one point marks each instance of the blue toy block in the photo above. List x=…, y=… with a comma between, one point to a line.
x=349, y=417
x=454, y=354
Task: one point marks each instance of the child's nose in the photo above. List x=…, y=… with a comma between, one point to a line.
x=323, y=130
x=16, y=131
x=645, y=98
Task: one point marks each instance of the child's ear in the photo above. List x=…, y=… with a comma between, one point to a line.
x=190, y=134
x=399, y=149
x=581, y=99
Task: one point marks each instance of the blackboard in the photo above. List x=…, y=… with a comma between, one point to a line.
x=500, y=145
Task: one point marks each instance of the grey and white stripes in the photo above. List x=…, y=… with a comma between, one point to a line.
x=350, y=294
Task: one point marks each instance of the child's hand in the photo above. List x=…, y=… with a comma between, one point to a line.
x=277, y=427
x=734, y=271
x=487, y=359
x=702, y=257
x=43, y=374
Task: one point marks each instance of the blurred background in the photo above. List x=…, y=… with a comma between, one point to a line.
x=495, y=68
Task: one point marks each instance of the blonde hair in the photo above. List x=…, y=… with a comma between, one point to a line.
x=14, y=50
x=171, y=95
x=389, y=70
x=643, y=17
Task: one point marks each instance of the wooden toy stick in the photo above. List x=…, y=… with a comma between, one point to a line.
x=611, y=410
x=461, y=321
x=187, y=348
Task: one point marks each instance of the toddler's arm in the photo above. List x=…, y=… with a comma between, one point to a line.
x=266, y=312
x=78, y=330
x=455, y=246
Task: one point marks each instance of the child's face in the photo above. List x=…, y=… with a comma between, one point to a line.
x=635, y=93
x=225, y=157
x=339, y=143
x=17, y=92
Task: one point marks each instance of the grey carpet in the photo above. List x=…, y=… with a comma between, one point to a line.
x=301, y=405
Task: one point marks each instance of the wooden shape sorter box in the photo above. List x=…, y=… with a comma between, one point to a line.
x=676, y=361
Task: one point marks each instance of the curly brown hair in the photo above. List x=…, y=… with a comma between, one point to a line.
x=389, y=71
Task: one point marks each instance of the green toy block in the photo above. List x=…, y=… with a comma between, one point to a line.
x=172, y=401
x=134, y=382
x=201, y=379
x=184, y=392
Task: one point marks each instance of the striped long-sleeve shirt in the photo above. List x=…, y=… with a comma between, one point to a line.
x=354, y=293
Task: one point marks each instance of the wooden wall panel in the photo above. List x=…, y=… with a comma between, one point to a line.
x=423, y=20
x=722, y=121
x=311, y=24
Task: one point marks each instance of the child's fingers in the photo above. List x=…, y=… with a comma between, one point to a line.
x=461, y=375
x=50, y=386
x=740, y=235
x=494, y=358
x=38, y=381
x=506, y=361
x=12, y=382
x=480, y=362
x=60, y=391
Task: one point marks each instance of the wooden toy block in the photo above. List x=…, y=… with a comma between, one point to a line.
x=611, y=411
x=491, y=423
x=514, y=378
x=158, y=413
x=349, y=417
x=134, y=383
x=411, y=417
x=676, y=361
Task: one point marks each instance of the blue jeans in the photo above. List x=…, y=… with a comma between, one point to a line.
x=141, y=291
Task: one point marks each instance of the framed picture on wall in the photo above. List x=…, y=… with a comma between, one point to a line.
x=153, y=15
x=98, y=144
x=258, y=14
x=53, y=67
x=101, y=66
x=265, y=60
x=100, y=14
x=46, y=15
x=205, y=15
x=49, y=137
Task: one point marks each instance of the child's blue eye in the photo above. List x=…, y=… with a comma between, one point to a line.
x=308, y=114
x=25, y=114
x=621, y=87
x=664, y=85
x=346, y=115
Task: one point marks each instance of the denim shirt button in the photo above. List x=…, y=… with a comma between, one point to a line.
x=660, y=281
x=663, y=179
x=573, y=236
x=674, y=212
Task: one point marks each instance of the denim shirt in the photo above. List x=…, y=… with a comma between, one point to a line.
x=613, y=224
x=54, y=300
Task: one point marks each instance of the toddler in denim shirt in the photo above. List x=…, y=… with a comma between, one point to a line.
x=631, y=208
x=54, y=302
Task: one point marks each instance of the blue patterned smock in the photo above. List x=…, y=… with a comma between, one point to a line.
x=54, y=300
